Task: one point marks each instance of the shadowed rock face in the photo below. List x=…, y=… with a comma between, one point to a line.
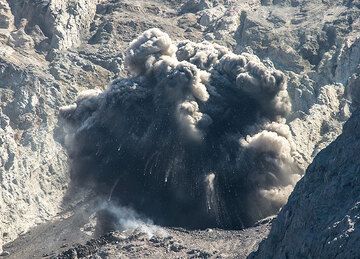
x=322, y=217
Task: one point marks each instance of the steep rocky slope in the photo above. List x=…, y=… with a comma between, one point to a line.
x=52, y=50
x=43, y=66
x=321, y=219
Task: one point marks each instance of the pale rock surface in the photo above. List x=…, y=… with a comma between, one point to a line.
x=6, y=19
x=314, y=131
x=31, y=155
x=33, y=164
x=64, y=22
x=52, y=49
x=316, y=45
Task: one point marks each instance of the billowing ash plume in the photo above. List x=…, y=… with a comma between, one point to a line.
x=196, y=138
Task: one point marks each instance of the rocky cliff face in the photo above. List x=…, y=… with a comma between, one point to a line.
x=52, y=50
x=33, y=164
x=321, y=219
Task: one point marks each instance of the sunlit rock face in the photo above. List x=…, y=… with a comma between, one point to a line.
x=52, y=50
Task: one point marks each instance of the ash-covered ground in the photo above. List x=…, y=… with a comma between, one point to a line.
x=79, y=235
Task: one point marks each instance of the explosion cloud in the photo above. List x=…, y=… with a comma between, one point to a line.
x=195, y=138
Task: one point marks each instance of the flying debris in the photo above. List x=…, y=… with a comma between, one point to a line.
x=196, y=137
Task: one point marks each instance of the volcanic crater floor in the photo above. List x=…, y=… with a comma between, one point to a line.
x=70, y=236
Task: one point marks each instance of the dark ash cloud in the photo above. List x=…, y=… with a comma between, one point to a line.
x=196, y=138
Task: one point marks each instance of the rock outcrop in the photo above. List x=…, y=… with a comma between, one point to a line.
x=322, y=217
x=33, y=164
x=62, y=24
x=50, y=50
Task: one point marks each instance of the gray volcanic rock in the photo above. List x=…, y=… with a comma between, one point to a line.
x=322, y=217
x=315, y=44
x=193, y=6
x=50, y=50
x=171, y=243
x=163, y=243
x=63, y=23
x=71, y=235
